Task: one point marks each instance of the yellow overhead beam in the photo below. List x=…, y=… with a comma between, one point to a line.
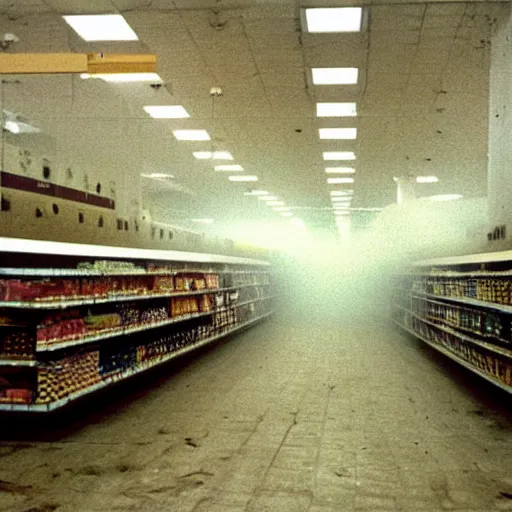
x=92, y=63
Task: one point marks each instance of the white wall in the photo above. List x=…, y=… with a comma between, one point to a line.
x=500, y=128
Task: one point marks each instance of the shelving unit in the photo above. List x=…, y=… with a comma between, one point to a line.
x=462, y=307
x=97, y=317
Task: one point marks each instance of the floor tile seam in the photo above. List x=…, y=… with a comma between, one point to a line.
x=259, y=489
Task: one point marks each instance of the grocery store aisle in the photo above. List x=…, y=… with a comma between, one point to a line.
x=298, y=414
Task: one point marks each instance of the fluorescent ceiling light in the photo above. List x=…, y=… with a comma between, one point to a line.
x=287, y=214
x=446, y=197
x=346, y=212
x=158, y=176
x=243, y=178
x=123, y=77
x=339, y=155
x=101, y=27
x=333, y=109
x=336, y=181
x=235, y=167
x=166, y=111
x=340, y=170
x=275, y=203
x=12, y=127
x=191, y=134
x=338, y=133
x=256, y=193
x=202, y=155
x=268, y=198
x=335, y=76
x=427, y=179
x=340, y=199
x=334, y=19
x=215, y=155
x=342, y=192
x=203, y=221
x=281, y=208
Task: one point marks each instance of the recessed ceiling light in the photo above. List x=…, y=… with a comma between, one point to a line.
x=101, y=27
x=287, y=214
x=256, y=193
x=333, y=109
x=337, y=199
x=123, y=77
x=339, y=155
x=234, y=167
x=158, y=176
x=446, y=197
x=340, y=170
x=203, y=221
x=342, y=192
x=12, y=126
x=243, y=178
x=427, y=179
x=202, y=155
x=335, y=76
x=166, y=111
x=346, y=212
x=191, y=134
x=268, y=198
x=336, y=181
x=334, y=19
x=338, y=133
x=275, y=203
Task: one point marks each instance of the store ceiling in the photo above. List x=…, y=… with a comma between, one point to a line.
x=422, y=99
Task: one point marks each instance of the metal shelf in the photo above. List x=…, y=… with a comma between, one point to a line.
x=29, y=363
x=458, y=306
x=27, y=246
x=488, y=346
x=456, y=358
x=63, y=304
x=466, y=300
x=77, y=272
x=127, y=374
x=52, y=347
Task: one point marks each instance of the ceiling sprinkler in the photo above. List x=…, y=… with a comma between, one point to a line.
x=8, y=40
x=215, y=92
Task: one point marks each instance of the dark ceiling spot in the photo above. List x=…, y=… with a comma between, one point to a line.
x=298, y=130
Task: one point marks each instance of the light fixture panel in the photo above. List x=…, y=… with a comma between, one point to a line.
x=334, y=19
x=191, y=134
x=101, y=27
x=335, y=76
x=243, y=178
x=339, y=155
x=124, y=77
x=336, y=109
x=338, y=181
x=337, y=133
x=166, y=111
x=340, y=170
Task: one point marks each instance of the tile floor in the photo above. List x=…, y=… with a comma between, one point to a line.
x=323, y=415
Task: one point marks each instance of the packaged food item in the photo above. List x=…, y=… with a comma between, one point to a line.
x=102, y=322
x=163, y=284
